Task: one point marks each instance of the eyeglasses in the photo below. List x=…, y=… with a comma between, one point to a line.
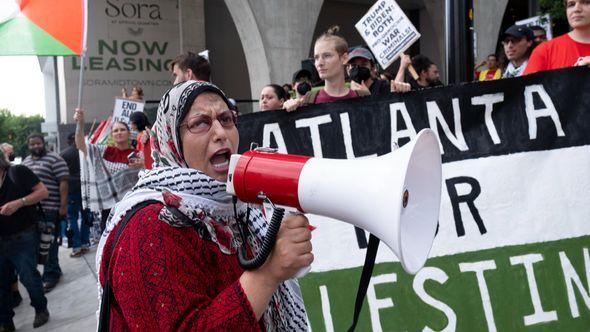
x=511, y=40
x=201, y=123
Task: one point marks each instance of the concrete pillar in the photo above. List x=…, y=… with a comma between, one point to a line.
x=192, y=25
x=487, y=21
x=53, y=111
x=275, y=35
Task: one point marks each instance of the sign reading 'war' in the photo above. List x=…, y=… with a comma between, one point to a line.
x=512, y=252
x=387, y=31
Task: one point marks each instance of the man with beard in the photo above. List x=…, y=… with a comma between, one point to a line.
x=190, y=66
x=428, y=73
x=52, y=170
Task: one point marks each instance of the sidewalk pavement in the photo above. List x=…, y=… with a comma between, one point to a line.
x=72, y=304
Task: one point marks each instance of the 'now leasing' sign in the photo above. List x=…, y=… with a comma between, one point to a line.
x=387, y=31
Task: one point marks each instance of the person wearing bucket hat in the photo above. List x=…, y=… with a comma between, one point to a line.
x=167, y=260
x=518, y=44
x=570, y=49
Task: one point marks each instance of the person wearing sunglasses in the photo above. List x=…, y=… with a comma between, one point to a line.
x=167, y=260
x=518, y=42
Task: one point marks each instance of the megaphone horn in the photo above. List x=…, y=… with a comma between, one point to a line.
x=396, y=196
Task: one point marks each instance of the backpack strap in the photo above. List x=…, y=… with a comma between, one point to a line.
x=108, y=297
x=309, y=97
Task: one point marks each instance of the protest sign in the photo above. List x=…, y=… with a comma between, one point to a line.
x=387, y=31
x=542, y=21
x=512, y=251
x=124, y=107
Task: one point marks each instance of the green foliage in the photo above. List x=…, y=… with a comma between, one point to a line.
x=555, y=8
x=14, y=129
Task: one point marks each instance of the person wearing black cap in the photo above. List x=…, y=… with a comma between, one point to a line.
x=362, y=72
x=518, y=45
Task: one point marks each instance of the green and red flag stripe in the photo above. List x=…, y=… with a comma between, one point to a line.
x=42, y=27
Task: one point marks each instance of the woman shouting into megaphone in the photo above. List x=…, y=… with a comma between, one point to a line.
x=167, y=259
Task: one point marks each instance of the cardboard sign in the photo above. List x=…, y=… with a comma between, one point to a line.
x=124, y=107
x=387, y=31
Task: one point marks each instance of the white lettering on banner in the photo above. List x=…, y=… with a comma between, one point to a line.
x=479, y=268
x=489, y=100
x=539, y=315
x=571, y=277
x=435, y=116
x=502, y=183
x=275, y=130
x=325, y=299
x=409, y=132
x=438, y=275
x=374, y=303
x=347, y=133
x=532, y=113
x=313, y=124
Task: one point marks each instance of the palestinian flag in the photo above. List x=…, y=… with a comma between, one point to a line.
x=42, y=27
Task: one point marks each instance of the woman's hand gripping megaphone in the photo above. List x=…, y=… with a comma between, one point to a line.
x=286, y=250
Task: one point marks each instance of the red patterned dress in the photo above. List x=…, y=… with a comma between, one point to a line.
x=169, y=279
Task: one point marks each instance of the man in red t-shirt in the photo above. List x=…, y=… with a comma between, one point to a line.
x=571, y=49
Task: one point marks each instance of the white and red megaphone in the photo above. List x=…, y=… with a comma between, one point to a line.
x=396, y=196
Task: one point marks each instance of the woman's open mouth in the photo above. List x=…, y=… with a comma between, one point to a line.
x=220, y=160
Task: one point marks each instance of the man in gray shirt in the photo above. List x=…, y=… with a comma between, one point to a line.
x=52, y=170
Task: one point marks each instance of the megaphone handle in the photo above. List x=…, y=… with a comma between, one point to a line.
x=267, y=244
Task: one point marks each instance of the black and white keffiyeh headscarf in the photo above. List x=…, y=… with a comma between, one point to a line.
x=202, y=202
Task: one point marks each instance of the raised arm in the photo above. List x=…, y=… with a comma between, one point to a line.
x=404, y=63
x=79, y=137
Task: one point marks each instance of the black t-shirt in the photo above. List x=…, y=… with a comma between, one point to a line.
x=72, y=158
x=380, y=88
x=415, y=86
x=26, y=216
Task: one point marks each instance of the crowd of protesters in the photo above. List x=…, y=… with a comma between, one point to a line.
x=192, y=138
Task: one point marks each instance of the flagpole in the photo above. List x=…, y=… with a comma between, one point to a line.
x=80, y=85
x=83, y=55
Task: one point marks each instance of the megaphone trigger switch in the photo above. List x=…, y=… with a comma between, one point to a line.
x=261, y=196
x=405, y=198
